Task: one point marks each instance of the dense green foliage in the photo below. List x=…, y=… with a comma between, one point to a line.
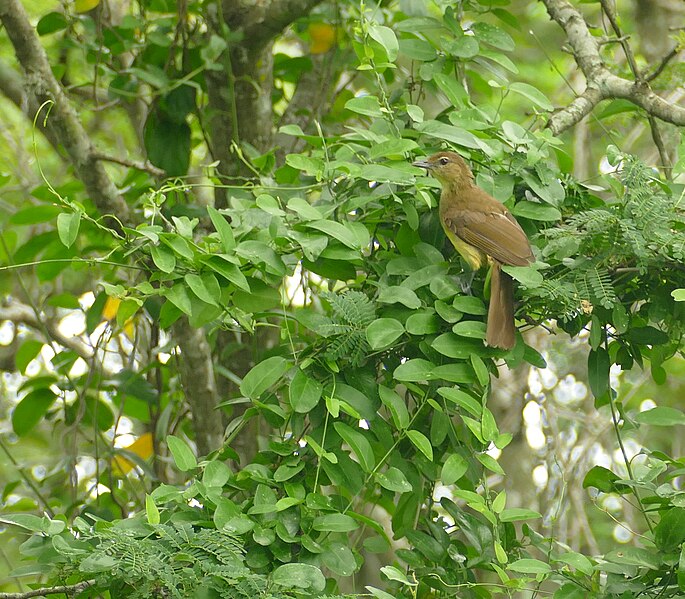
x=343, y=327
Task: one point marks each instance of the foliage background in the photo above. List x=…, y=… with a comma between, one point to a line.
x=229, y=307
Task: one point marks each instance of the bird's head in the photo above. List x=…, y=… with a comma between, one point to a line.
x=447, y=167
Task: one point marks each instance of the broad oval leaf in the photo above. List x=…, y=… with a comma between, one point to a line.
x=661, y=416
x=421, y=442
x=263, y=375
x=304, y=392
x=453, y=469
x=299, y=576
x=183, y=456
x=359, y=445
x=383, y=331
x=414, y=370
x=386, y=38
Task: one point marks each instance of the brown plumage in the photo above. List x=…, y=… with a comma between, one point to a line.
x=480, y=227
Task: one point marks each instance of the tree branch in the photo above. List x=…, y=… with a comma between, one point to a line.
x=71, y=589
x=41, y=87
x=262, y=21
x=18, y=313
x=579, y=108
x=145, y=166
x=606, y=85
x=662, y=65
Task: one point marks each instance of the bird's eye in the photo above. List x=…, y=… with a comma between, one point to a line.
x=444, y=161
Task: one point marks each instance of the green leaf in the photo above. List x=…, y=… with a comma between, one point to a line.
x=392, y=147
x=536, y=211
x=216, y=474
x=601, y=478
x=423, y=323
x=661, y=416
x=35, y=215
x=163, y=258
x=447, y=132
x=386, y=38
x=531, y=93
x=259, y=252
x=678, y=295
x=31, y=409
x=205, y=287
x=178, y=296
x=598, y=371
x=398, y=294
x=223, y=228
x=396, y=406
x=670, y=531
x=393, y=573
x=414, y=370
x=167, y=143
x=526, y=275
x=353, y=235
x=359, y=445
x=263, y=375
x=454, y=373
x=469, y=304
x=51, y=22
x=28, y=350
x=449, y=85
x=473, y=329
x=647, y=336
x=575, y=560
x=29, y=522
x=453, y=469
x=151, y=510
x=465, y=46
x=480, y=369
x=304, y=209
x=335, y=523
x=183, y=456
x=635, y=556
x=312, y=166
x=394, y=480
x=530, y=566
x=489, y=462
x=515, y=514
x=462, y=399
x=304, y=392
x=230, y=271
x=453, y=346
x=67, y=227
x=366, y=105
x=383, y=331
x=177, y=244
x=299, y=576
x=421, y=442
x=338, y=558
x=493, y=36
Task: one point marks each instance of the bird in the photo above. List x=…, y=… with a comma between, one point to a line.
x=482, y=230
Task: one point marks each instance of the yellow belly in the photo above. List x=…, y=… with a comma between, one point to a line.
x=473, y=256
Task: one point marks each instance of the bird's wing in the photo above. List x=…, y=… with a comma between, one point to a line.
x=495, y=233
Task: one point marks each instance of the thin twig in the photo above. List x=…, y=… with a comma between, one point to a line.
x=70, y=589
x=145, y=166
x=666, y=165
x=662, y=65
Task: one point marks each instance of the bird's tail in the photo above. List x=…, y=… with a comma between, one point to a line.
x=501, y=331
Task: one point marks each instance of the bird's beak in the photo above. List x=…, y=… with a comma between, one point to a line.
x=422, y=164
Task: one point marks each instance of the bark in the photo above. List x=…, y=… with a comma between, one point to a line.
x=63, y=123
x=602, y=84
x=199, y=384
